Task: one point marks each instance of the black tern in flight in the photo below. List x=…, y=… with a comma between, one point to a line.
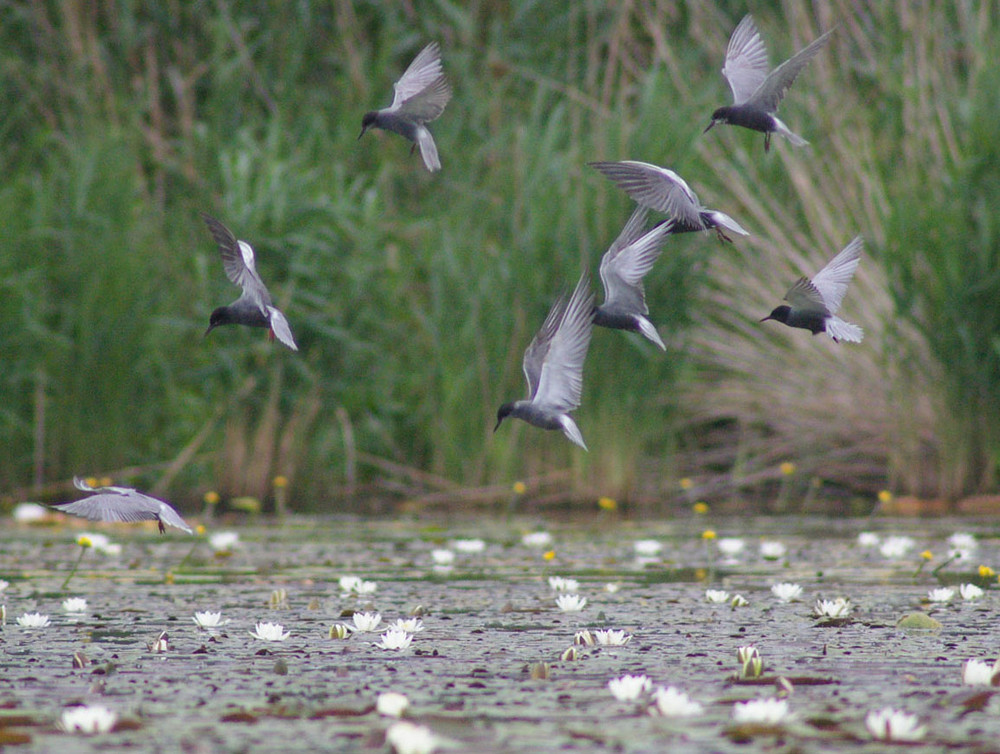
x=623, y=267
x=553, y=366
x=253, y=308
x=662, y=190
x=814, y=303
x=757, y=93
x=122, y=504
x=420, y=96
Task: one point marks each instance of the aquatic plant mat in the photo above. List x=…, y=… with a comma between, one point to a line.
x=487, y=672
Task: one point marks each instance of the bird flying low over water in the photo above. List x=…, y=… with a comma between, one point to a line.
x=662, y=190
x=420, y=97
x=814, y=303
x=623, y=267
x=553, y=366
x=757, y=93
x=122, y=504
x=253, y=308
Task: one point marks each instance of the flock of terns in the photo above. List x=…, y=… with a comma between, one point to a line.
x=553, y=362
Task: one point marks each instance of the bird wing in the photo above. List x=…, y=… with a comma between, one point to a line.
x=746, y=63
x=657, y=188
x=238, y=261
x=167, y=515
x=423, y=72
x=622, y=271
x=429, y=103
x=805, y=297
x=538, y=349
x=561, y=381
x=831, y=282
x=280, y=327
x=770, y=92
x=110, y=506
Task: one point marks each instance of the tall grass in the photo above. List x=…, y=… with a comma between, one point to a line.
x=413, y=296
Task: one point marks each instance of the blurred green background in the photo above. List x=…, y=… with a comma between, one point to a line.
x=413, y=295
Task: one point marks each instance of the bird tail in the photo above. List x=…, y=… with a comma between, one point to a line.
x=646, y=328
x=783, y=130
x=840, y=330
x=721, y=218
x=572, y=431
x=428, y=149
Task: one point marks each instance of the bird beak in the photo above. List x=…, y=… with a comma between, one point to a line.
x=499, y=421
x=363, y=129
x=709, y=127
x=210, y=328
x=765, y=319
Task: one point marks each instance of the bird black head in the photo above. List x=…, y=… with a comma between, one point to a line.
x=367, y=121
x=780, y=313
x=502, y=413
x=721, y=115
x=220, y=316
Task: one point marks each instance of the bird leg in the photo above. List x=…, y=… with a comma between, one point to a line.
x=767, y=142
x=722, y=236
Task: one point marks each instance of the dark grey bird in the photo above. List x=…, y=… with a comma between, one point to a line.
x=623, y=267
x=553, y=366
x=253, y=308
x=662, y=190
x=122, y=504
x=814, y=303
x=757, y=93
x=420, y=97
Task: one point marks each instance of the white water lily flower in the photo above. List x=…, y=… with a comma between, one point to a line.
x=33, y=620
x=889, y=724
x=208, y=619
x=963, y=541
x=763, y=711
x=536, y=539
x=410, y=625
x=786, y=592
x=395, y=639
x=88, y=720
x=612, y=638
x=970, y=591
x=980, y=673
x=3, y=586
x=739, y=601
x=442, y=557
x=356, y=585
x=560, y=584
x=101, y=543
x=772, y=550
x=470, y=545
x=838, y=608
x=391, y=704
x=408, y=738
x=751, y=663
x=224, y=541
x=941, y=594
x=366, y=622
x=571, y=603
x=584, y=638
x=270, y=632
x=716, y=596
x=730, y=546
x=896, y=547
x=672, y=702
x=628, y=688
x=159, y=644
x=612, y=588
x=868, y=539
x=647, y=547
x=27, y=513
x=75, y=605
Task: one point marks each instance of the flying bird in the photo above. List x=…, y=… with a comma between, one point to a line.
x=253, y=308
x=122, y=504
x=623, y=267
x=814, y=303
x=757, y=93
x=420, y=97
x=662, y=190
x=553, y=366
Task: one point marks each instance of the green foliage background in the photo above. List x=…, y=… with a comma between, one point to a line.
x=413, y=295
